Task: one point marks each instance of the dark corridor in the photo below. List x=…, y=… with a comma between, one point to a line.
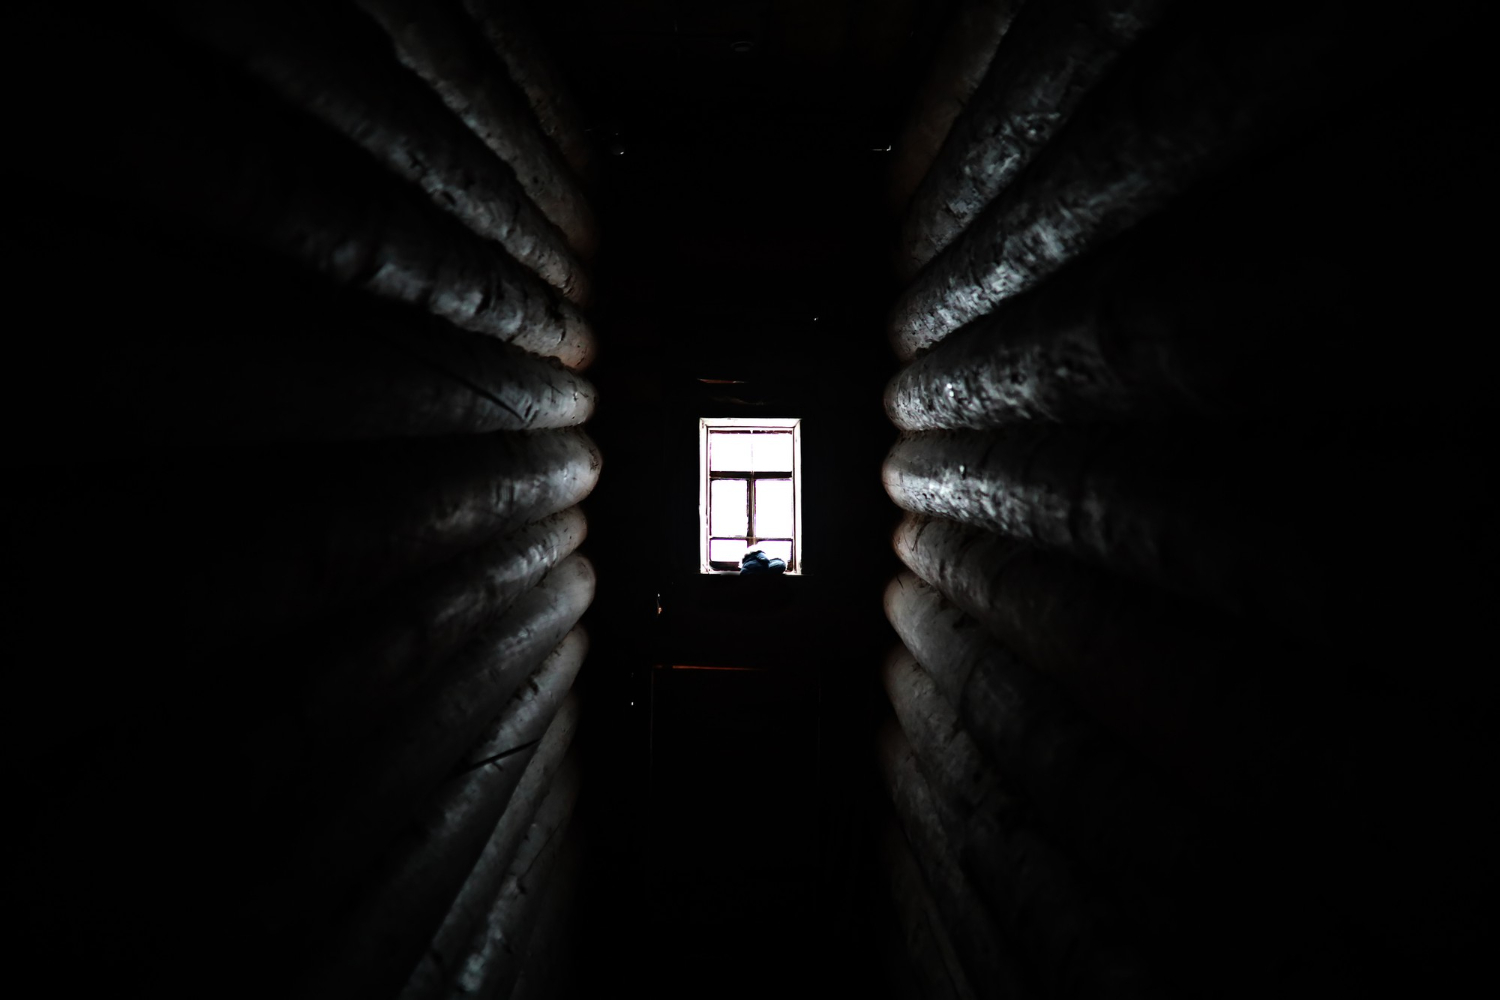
x=359, y=644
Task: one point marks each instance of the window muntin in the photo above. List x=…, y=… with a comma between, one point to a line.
x=750, y=491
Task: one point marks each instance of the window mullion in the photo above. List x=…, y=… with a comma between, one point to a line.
x=750, y=512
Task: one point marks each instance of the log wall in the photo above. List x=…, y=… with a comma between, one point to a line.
x=298, y=553
x=1175, y=627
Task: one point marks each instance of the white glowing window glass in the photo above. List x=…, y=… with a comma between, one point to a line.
x=730, y=502
x=750, y=494
x=774, y=514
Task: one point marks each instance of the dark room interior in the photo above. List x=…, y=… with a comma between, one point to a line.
x=377, y=628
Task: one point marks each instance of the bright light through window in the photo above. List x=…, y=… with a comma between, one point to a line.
x=750, y=491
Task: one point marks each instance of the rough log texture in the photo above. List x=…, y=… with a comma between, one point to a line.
x=496, y=951
x=384, y=933
x=988, y=960
x=552, y=964
x=1054, y=54
x=1195, y=312
x=345, y=539
x=1179, y=107
x=508, y=29
x=1088, y=793
x=1204, y=698
x=928, y=946
x=441, y=46
x=337, y=66
x=1148, y=505
x=1072, y=941
x=432, y=972
x=962, y=59
x=354, y=807
x=300, y=361
x=367, y=661
x=274, y=178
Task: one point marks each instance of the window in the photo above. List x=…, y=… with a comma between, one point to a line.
x=750, y=491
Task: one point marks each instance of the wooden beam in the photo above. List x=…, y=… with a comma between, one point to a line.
x=334, y=64
x=962, y=59
x=1071, y=939
x=384, y=931
x=1202, y=91
x=1109, y=813
x=989, y=960
x=509, y=31
x=440, y=44
x=352, y=808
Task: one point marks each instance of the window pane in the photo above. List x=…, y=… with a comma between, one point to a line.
x=726, y=550
x=730, y=452
x=773, y=507
x=726, y=505
x=773, y=453
x=777, y=550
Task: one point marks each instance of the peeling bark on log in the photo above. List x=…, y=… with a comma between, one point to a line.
x=430, y=975
x=493, y=957
x=339, y=67
x=926, y=940
x=1202, y=697
x=960, y=63
x=271, y=176
x=356, y=805
x=1088, y=794
x=1055, y=53
x=1182, y=105
x=988, y=960
x=381, y=936
x=366, y=662
x=1071, y=938
x=509, y=31
x=439, y=44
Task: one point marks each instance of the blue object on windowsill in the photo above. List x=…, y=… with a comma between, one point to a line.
x=756, y=561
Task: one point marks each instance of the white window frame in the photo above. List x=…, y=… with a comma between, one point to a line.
x=706, y=424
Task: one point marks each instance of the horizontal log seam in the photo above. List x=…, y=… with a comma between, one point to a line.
x=339, y=67
x=1130, y=149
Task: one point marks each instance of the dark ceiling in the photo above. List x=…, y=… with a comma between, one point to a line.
x=672, y=72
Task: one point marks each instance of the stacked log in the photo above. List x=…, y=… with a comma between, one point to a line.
x=1153, y=460
x=331, y=352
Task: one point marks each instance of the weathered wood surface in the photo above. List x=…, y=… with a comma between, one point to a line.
x=1153, y=506
x=383, y=933
x=927, y=943
x=270, y=176
x=1193, y=313
x=989, y=960
x=1181, y=105
x=495, y=952
x=554, y=965
x=336, y=65
x=1069, y=937
x=343, y=537
x=431, y=973
x=507, y=27
x=442, y=46
x=346, y=675
x=962, y=58
x=1202, y=695
x=347, y=811
x=1102, y=807
x=1055, y=52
